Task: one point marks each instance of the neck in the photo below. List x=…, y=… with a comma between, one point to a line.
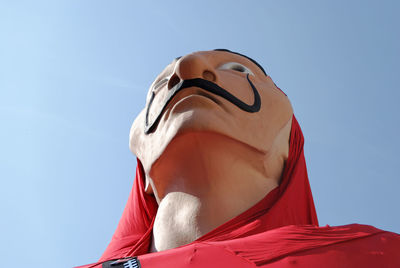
x=203, y=180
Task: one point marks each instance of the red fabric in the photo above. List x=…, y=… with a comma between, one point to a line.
x=279, y=231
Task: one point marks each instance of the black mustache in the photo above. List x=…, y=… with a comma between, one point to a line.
x=207, y=86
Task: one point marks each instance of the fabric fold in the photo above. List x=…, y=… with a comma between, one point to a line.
x=283, y=226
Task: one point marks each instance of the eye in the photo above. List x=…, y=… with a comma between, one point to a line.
x=235, y=66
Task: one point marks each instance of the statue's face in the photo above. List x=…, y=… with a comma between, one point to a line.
x=226, y=106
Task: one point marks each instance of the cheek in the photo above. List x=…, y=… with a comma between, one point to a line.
x=238, y=86
x=273, y=100
x=275, y=112
x=156, y=105
x=136, y=134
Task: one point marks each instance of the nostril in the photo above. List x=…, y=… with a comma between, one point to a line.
x=209, y=76
x=173, y=81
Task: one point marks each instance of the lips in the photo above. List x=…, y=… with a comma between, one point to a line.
x=196, y=91
x=207, y=86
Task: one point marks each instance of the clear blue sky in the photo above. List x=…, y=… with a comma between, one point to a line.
x=74, y=74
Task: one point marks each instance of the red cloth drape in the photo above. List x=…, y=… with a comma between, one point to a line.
x=279, y=231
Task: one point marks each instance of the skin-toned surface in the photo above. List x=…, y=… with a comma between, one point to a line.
x=207, y=161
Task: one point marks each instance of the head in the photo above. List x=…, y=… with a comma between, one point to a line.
x=214, y=91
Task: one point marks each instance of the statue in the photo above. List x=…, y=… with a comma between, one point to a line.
x=222, y=182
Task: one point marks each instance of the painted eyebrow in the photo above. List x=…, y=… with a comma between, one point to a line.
x=236, y=53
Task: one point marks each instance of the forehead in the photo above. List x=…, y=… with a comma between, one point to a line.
x=216, y=58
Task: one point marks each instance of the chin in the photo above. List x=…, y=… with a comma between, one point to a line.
x=175, y=125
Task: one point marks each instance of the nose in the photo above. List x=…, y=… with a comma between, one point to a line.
x=192, y=66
